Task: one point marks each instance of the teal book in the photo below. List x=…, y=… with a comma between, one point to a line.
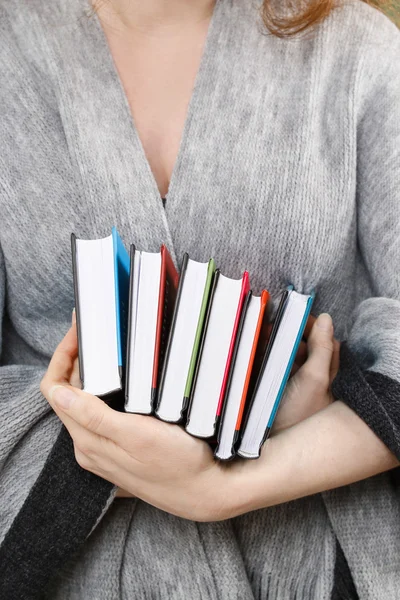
x=121, y=283
x=290, y=321
x=101, y=288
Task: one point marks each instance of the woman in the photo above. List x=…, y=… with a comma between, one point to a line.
x=278, y=154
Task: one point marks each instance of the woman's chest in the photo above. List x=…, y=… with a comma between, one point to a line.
x=157, y=71
x=264, y=179
x=246, y=195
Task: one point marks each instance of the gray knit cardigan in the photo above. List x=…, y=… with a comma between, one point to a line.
x=289, y=166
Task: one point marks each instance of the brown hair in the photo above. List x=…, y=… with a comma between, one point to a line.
x=299, y=20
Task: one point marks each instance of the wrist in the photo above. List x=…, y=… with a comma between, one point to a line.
x=263, y=481
x=248, y=485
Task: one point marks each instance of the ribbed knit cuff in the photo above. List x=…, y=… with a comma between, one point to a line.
x=59, y=513
x=373, y=396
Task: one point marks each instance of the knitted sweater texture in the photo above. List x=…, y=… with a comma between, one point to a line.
x=289, y=166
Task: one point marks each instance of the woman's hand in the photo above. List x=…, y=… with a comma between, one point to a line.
x=317, y=363
x=156, y=461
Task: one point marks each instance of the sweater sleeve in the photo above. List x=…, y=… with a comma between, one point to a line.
x=48, y=504
x=369, y=375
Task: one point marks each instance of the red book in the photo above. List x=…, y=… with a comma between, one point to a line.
x=215, y=355
x=169, y=279
x=152, y=295
x=243, y=293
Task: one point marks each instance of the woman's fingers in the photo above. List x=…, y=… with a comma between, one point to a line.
x=61, y=366
x=303, y=351
x=73, y=405
x=62, y=362
x=87, y=411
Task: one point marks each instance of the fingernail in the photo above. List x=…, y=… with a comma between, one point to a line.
x=62, y=396
x=73, y=317
x=324, y=322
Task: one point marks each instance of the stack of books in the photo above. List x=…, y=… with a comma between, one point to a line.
x=189, y=347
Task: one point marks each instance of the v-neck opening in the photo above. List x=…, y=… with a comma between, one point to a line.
x=153, y=186
x=113, y=173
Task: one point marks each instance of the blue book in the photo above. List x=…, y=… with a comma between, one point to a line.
x=290, y=321
x=101, y=287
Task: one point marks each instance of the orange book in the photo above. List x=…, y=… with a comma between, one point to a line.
x=248, y=347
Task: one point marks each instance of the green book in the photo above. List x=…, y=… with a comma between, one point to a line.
x=199, y=331
x=184, y=339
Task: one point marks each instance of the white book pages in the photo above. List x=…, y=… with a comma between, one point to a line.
x=97, y=315
x=172, y=393
x=146, y=290
x=214, y=357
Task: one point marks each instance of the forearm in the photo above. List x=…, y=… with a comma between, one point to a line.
x=332, y=448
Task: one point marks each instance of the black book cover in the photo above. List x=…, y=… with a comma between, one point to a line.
x=171, y=333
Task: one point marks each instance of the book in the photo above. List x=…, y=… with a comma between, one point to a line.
x=215, y=354
x=101, y=283
x=290, y=321
x=152, y=294
x=184, y=339
x=252, y=325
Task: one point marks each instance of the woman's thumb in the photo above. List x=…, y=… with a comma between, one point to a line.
x=320, y=346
